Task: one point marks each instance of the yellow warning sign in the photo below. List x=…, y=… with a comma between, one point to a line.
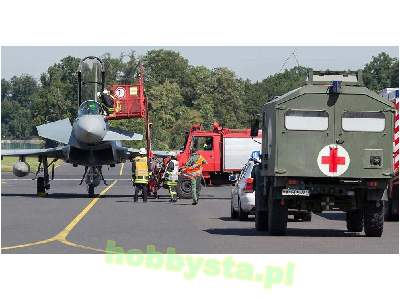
x=133, y=90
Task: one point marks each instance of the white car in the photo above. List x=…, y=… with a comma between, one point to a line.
x=243, y=195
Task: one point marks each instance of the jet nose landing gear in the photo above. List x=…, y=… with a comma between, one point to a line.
x=92, y=177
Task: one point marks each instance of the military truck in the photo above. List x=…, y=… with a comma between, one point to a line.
x=325, y=146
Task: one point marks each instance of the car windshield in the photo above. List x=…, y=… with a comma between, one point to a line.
x=89, y=107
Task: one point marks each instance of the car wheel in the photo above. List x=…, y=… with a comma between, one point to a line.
x=234, y=214
x=243, y=216
x=307, y=216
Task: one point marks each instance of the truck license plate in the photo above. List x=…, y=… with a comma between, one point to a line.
x=293, y=192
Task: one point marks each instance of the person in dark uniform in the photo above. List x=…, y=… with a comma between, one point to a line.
x=107, y=100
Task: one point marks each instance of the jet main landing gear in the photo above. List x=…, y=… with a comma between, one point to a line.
x=43, y=182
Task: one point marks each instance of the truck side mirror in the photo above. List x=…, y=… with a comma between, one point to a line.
x=255, y=126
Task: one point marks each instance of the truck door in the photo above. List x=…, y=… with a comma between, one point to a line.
x=304, y=126
x=206, y=147
x=363, y=128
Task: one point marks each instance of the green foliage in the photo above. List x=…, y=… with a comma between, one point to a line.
x=382, y=72
x=162, y=65
x=179, y=94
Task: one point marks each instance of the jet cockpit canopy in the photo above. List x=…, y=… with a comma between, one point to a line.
x=90, y=107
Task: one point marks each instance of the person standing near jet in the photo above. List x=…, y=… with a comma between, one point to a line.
x=194, y=169
x=171, y=176
x=140, y=175
x=107, y=100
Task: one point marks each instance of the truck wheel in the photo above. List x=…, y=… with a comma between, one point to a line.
x=354, y=220
x=243, y=216
x=277, y=214
x=261, y=215
x=184, y=188
x=261, y=220
x=373, y=218
x=234, y=213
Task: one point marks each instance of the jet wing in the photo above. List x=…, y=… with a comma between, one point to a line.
x=114, y=134
x=58, y=152
x=59, y=131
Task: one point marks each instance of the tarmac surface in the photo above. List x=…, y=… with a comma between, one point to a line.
x=67, y=221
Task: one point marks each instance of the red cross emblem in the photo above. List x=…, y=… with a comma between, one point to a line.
x=333, y=160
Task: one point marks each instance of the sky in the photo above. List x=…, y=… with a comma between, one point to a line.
x=254, y=63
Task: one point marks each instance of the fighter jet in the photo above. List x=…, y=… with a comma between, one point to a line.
x=89, y=142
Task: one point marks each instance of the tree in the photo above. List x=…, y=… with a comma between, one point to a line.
x=5, y=89
x=129, y=70
x=166, y=109
x=227, y=94
x=162, y=65
x=22, y=89
x=16, y=120
x=197, y=83
x=17, y=96
x=382, y=72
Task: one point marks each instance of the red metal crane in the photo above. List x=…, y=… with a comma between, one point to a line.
x=130, y=102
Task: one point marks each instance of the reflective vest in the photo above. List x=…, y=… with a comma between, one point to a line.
x=194, y=166
x=141, y=170
x=171, y=172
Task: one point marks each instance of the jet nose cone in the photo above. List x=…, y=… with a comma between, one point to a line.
x=90, y=129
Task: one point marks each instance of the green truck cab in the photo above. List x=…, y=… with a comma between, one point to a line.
x=325, y=146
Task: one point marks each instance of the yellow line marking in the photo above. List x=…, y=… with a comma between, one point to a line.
x=64, y=233
x=68, y=243
x=122, y=168
x=29, y=244
x=62, y=236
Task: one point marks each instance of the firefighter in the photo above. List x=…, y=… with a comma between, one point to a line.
x=140, y=175
x=193, y=169
x=171, y=176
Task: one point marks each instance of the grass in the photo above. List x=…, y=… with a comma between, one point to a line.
x=8, y=161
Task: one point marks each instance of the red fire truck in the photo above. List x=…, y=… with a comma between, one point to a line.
x=225, y=150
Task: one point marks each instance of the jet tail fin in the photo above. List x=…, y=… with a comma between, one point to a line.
x=59, y=131
x=114, y=134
